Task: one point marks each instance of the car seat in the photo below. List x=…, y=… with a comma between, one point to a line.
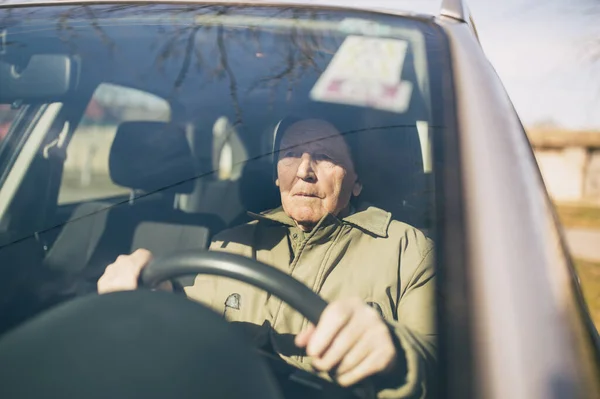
x=257, y=189
x=154, y=160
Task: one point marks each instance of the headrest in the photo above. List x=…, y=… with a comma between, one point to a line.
x=151, y=156
x=258, y=192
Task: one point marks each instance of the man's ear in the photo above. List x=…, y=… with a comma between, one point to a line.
x=357, y=189
x=277, y=182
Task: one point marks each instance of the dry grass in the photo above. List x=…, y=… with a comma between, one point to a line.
x=585, y=216
x=589, y=275
x=579, y=216
x=552, y=137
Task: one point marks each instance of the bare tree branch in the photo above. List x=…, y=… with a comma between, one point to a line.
x=187, y=59
x=232, y=80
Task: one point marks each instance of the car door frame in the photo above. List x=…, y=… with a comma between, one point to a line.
x=528, y=333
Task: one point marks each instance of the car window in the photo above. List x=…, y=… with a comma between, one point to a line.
x=86, y=173
x=178, y=136
x=220, y=92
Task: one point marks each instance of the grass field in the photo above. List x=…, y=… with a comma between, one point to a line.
x=589, y=274
x=584, y=216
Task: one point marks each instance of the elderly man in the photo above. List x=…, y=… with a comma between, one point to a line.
x=377, y=273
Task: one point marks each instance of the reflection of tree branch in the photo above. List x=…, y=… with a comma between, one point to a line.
x=66, y=33
x=301, y=49
x=187, y=59
x=291, y=56
x=169, y=48
x=232, y=80
x=96, y=26
x=275, y=79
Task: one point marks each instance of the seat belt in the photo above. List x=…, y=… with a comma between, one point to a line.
x=55, y=153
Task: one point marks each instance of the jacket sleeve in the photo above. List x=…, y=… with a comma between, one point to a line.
x=415, y=329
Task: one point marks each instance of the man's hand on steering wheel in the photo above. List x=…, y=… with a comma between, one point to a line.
x=123, y=274
x=351, y=342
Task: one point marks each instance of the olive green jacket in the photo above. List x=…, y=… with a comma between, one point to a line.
x=387, y=263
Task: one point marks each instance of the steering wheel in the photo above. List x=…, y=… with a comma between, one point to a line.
x=249, y=271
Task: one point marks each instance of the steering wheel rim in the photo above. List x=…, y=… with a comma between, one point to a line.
x=250, y=271
x=240, y=268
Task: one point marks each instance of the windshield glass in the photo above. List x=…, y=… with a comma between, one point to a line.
x=179, y=123
x=7, y=116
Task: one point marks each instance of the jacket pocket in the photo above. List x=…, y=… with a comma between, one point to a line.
x=232, y=307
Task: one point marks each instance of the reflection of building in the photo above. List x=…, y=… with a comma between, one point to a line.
x=107, y=113
x=4, y=129
x=569, y=162
x=7, y=115
x=94, y=110
x=99, y=114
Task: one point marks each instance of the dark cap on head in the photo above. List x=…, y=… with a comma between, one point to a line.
x=288, y=121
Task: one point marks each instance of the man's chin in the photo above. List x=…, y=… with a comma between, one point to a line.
x=306, y=217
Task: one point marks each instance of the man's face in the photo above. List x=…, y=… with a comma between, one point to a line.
x=315, y=173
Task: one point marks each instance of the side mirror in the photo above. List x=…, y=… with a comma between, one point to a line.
x=44, y=77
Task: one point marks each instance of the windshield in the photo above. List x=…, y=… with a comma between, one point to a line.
x=8, y=115
x=165, y=126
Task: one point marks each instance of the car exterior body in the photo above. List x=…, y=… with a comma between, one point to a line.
x=512, y=320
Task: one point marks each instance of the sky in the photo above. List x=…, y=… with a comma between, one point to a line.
x=541, y=51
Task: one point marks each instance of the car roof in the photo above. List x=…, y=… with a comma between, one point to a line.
x=455, y=9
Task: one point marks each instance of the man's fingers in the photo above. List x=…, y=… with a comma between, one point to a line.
x=112, y=283
x=352, y=339
x=141, y=257
x=357, y=354
x=123, y=273
x=374, y=363
x=344, y=342
x=334, y=318
x=302, y=339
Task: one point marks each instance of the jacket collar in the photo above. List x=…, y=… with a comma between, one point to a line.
x=366, y=217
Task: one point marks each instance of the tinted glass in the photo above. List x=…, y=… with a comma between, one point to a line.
x=176, y=115
x=7, y=116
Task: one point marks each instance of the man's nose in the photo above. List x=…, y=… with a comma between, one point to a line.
x=305, y=169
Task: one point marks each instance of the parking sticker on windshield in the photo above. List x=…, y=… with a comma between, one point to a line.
x=366, y=72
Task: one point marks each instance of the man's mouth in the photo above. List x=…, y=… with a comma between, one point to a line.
x=309, y=195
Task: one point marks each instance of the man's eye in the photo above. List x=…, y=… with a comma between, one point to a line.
x=323, y=157
x=291, y=154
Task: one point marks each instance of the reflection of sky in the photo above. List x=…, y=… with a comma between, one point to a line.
x=538, y=49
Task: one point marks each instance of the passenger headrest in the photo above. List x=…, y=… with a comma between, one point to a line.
x=151, y=156
x=258, y=191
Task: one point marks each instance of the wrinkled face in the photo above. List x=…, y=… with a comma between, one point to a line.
x=315, y=172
